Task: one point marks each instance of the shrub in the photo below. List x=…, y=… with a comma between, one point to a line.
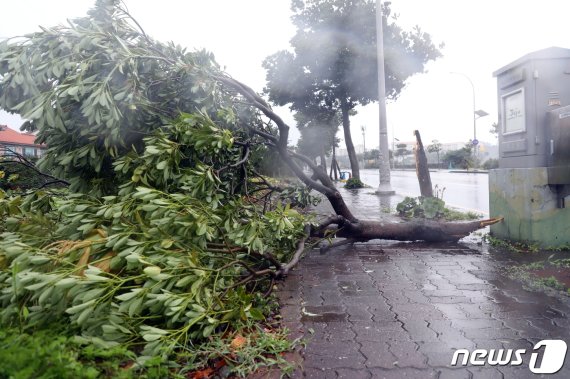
x=354, y=183
x=491, y=163
x=431, y=208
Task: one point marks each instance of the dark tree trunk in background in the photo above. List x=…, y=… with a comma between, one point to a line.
x=422, y=169
x=323, y=159
x=348, y=140
x=334, y=165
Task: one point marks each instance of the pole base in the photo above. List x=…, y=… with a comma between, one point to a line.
x=385, y=190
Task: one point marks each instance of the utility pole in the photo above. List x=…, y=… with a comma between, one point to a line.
x=384, y=188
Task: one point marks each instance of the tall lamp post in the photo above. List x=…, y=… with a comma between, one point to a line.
x=384, y=188
x=476, y=113
x=363, y=129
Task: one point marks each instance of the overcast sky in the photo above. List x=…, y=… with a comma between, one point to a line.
x=480, y=37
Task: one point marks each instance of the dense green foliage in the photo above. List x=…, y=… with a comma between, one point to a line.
x=49, y=354
x=162, y=239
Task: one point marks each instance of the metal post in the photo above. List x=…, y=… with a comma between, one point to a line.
x=384, y=188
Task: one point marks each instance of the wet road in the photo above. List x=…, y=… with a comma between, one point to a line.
x=462, y=190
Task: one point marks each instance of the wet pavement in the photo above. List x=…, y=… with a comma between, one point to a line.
x=468, y=191
x=400, y=310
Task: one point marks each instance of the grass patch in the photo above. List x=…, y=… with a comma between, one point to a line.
x=515, y=247
x=48, y=354
x=455, y=215
x=543, y=275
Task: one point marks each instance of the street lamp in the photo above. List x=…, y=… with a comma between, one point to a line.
x=363, y=129
x=384, y=187
x=476, y=113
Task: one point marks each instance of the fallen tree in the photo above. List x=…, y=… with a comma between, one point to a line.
x=347, y=225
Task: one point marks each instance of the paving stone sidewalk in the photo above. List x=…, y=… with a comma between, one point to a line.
x=400, y=310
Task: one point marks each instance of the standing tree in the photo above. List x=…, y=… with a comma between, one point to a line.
x=435, y=147
x=462, y=158
x=318, y=127
x=402, y=151
x=334, y=60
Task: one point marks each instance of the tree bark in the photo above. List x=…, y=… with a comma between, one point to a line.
x=409, y=230
x=345, y=108
x=334, y=165
x=323, y=159
x=422, y=169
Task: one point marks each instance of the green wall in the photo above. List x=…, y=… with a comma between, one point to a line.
x=524, y=199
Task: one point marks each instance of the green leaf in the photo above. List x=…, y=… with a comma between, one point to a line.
x=165, y=244
x=66, y=283
x=256, y=314
x=80, y=307
x=151, y=337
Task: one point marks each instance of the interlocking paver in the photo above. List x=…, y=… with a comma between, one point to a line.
x=317, y=373
x=390, y=310
x=378, y=354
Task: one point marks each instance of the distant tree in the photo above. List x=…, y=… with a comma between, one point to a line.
x=435, y=147
x=318, y=127
x=371, y=154
x=402, y=150
x=491, y=163
x=334, y=59
x=460, y=158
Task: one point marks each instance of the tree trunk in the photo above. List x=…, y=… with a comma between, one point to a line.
x=334, y=165
x=323, y=159
x=337, y=168
x=348, y=140
x=409, y=230
x=422, y=169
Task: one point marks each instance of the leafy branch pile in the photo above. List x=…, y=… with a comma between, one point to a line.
x=167, y=234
